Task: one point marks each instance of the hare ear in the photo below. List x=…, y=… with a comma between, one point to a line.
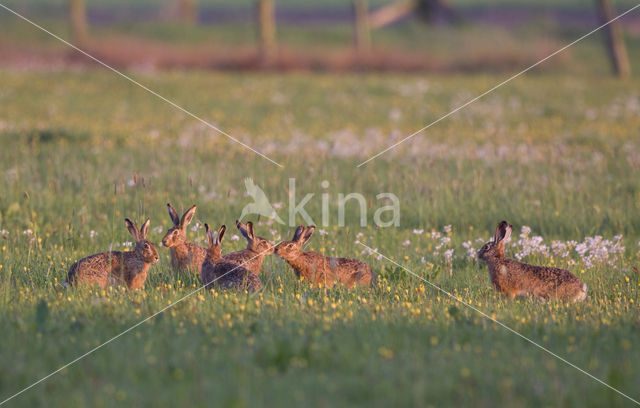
x=173, y=214
x=133, y=229
x=220, y=234
x=507, y=233
x=307, y=233
x=209, y=235
x=187, y=217
x=242, y=228
x=503, y=233
x=250, y=232
x=145, y=229
x=298, y=234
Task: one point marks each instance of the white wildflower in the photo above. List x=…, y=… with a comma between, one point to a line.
x=418, y=231
x=406, y=243
x=560, y=249
x=529, y=245
x=369, y=251
x=471, y=252
x=448, y=255
x=234, y=237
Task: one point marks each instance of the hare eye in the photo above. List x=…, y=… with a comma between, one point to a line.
x=146, y=246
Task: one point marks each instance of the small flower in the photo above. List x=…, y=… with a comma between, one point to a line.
x=27, y=231
x=127, y=244
x=158, y=229
x=234, y=237
x=406, y=243
x=447, y=229
x=448, y=255
x=322, y=232
x=92, y=234
x=471, y=252
x=418, y=231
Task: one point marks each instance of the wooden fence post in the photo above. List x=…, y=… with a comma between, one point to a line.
x=614, y=39
x=361, y=31
x=267, y=31
x=78, y=20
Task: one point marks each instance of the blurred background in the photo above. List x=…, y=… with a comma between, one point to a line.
x=331, y=35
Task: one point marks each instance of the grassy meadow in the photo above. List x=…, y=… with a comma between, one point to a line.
x=557, y=153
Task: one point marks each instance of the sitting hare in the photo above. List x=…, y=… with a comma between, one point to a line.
x=321, y=269
x=514, y=278
x=184, y=255
x=253, y=255
x=112, y=267
x=216, y=271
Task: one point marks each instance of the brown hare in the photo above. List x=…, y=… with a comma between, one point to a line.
x=321, y=269
x=184, y=255
x=513, y=278
x=116, y=267
x=218, y=272
x=253, y=255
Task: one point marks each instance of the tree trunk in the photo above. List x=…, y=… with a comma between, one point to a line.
x=361, y=32
x=267, y=31
x=188, y=11
x=614, y=39
x=78, y=20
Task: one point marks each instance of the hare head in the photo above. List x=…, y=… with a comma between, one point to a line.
x=145, y=250
x=215, y=243
x=293, y=248
x=495, y=247
x=178, y=233
x=256, y=244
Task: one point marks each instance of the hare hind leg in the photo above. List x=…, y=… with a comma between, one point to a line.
x=540, y=294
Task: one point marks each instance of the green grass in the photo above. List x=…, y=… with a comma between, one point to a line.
x=554, y=152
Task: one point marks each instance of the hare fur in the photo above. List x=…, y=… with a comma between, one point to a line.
x=216, y=271
x=115, y=267
x=252, y=256
x=185, y=255
x=320, y=269
x=514, y=278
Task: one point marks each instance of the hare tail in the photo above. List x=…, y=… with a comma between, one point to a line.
x=583, y=295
